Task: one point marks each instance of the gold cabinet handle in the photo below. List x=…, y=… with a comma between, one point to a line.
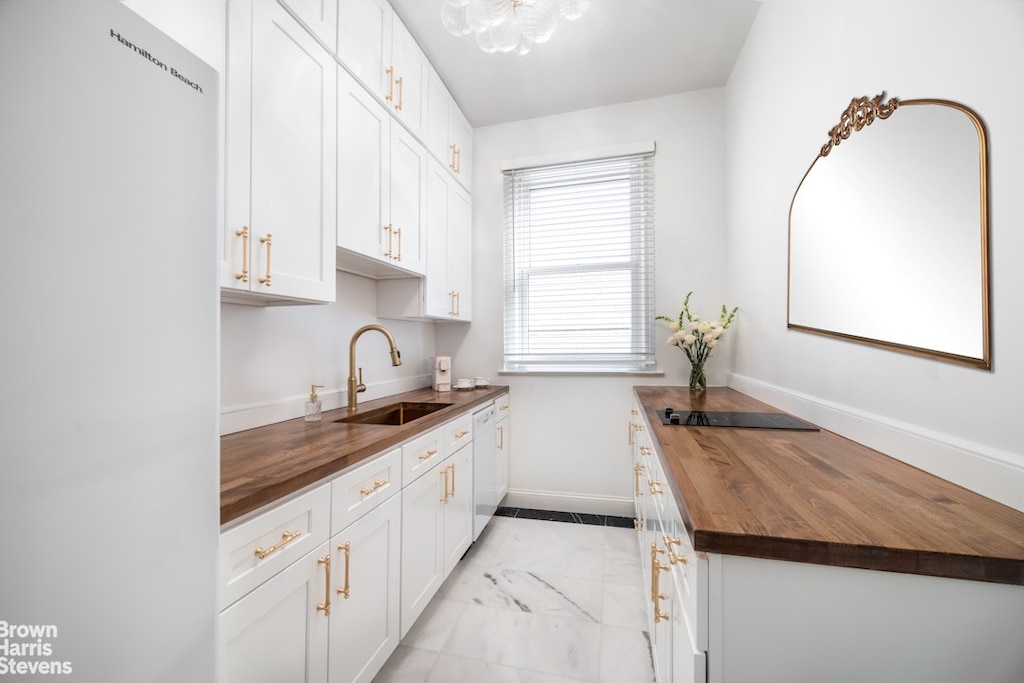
x=645, y=450
x=655, y=487
x=398, y=82
x=452, y=466
x=431, y=452
x=638, y=525
x=461, y=433
x=398, y=232
x=444, y=475
x=458, y=304
x=672, y=557
x=390, y=230
x=266, y=241
x=504, y=406
x=630, y=428
x=638, y=469
x=347, y=547
x=451, y=164
x=244, y=234
x=377, y=483
x=286, y=537
x=458, y=160
x=501, y=437
x=390, y=71
x=325, y=606
x=656, y=595
x=451, y=302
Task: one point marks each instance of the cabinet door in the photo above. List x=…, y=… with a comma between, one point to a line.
x=461, y=135
x=364, y=42
x=366, y=565
x=458, y=507
x=422, y=544
x=364, y=169
x=504, y=444
x=280, y=158
x=460, y=252
x=689, y=664
x=277, y=633
x=438, y=301
x=408, y=201
x=319, y=16
x=411, y=74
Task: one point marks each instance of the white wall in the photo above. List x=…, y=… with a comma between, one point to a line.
x=569, y=448
x=270, y=356
x=801, y=65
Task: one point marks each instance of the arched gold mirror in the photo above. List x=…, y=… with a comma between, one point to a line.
x=888, y=232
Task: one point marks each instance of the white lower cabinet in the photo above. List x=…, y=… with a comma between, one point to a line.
x=437, y=518
x=504, y=438
x=277, y=633
x=365, y=566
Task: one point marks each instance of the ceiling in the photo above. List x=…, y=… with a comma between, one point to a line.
x=619, y=51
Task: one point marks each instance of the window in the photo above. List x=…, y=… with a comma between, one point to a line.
x=579, y=266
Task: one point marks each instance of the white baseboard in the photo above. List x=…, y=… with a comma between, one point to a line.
x=569, y=502
x=993, y=473
x=248, y=416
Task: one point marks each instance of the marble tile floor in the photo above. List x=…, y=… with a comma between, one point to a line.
x=535, y=601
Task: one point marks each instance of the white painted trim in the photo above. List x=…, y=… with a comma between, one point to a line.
x=992, y=472
x=569, y=502
x=589, y=154
x=248, y=416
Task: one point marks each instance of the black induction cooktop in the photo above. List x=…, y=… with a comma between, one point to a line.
x=700, y=418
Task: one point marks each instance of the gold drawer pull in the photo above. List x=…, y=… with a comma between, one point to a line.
x=452, y=466
x=390, y=71
x=638, y=526
x=401, y=91
x=267, y=241
x=286, y=537
x=431, y=452
x=325, y=606
x=655, y=487
x=347, y=547
x=377, y=483
x=444, y=475
x=672, y=557
x=638, y=469
x=461, y=433
x=504, y=406
x=656, y=595
x=244, y=234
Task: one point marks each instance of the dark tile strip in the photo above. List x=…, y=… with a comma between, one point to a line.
x=570, y=517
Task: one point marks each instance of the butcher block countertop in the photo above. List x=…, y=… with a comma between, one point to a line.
x=817, y=497
x=261, y=465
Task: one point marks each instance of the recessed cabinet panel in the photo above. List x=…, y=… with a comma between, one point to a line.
x=319, y=16
x=364, y=169
x=364, y=42
x=408, y=200
x=410, y=77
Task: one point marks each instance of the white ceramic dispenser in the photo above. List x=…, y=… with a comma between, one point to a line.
x=443, y=373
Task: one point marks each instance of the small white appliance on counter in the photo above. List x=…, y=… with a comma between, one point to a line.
x=485, y=467
x=443, y=373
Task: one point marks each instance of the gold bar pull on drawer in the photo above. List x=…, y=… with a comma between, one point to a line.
x=431, y=452
x=325, y=606
x=672, y=557
x=286, y=537
x=347, y=547
x=377, y=483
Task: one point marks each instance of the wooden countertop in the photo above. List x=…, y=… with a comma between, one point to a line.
x=261, y=465
x=820, y=498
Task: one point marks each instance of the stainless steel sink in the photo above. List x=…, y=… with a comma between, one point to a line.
x=394, y=414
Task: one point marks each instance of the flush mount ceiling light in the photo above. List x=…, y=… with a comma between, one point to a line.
x=508, y=25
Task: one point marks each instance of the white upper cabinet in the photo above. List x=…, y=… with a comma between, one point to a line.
x=320, y=17
x=449, y=135
x=381, y=189
x=280, y=189
x=375, y=46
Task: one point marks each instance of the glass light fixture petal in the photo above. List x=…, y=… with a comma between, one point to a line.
x=573, y=9
x=454, y=20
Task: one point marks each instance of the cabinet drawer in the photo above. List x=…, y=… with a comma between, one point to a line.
x=501, y=406
x=457, y=433
x=420, y=454
x=259, y=548
x=355, y=493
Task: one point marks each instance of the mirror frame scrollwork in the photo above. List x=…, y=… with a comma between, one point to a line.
x=863, y=112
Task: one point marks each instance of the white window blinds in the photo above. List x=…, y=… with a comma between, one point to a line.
x=579, y=266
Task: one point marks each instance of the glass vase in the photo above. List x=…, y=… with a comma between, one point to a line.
x=698, y=386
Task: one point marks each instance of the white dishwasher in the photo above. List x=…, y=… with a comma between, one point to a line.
x=485, y=467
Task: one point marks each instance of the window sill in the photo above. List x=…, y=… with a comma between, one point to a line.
x=582, y=372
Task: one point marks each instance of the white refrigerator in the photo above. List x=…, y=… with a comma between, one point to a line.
x=109, y=356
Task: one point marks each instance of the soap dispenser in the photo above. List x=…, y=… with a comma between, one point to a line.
x=313, y=404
